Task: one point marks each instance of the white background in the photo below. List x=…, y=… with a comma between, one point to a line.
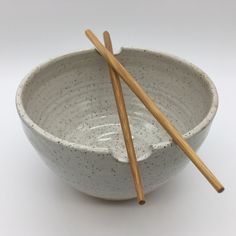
x=33, y=201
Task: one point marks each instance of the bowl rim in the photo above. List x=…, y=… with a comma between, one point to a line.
x=77, y=146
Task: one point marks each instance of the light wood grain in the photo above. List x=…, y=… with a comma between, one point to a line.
x=120, y=103
x=152, y=107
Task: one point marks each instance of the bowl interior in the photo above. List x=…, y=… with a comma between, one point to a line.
x=71, y=98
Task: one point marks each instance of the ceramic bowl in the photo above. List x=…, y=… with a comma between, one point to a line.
x=69, y=114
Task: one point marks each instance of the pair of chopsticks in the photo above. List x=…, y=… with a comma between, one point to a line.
x=116, y=69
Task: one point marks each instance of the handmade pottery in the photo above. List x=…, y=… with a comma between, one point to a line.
x=69, y=114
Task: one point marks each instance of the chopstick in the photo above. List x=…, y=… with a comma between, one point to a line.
x=120, y=103
x=152, y=107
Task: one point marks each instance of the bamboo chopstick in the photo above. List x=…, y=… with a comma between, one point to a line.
x=120, y=103
x=152, y=107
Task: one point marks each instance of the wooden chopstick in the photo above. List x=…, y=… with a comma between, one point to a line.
x=120, y=103
x=152, y=107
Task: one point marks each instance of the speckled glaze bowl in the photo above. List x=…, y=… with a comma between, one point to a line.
x=69, y=114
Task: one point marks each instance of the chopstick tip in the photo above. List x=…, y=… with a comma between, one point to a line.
x=220, y=190
x=141, y=202
x=105, y=33
x=88, y=31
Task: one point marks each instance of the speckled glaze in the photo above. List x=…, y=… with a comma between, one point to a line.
x=69, y=115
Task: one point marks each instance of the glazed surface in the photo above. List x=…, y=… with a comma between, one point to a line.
x=73, y=99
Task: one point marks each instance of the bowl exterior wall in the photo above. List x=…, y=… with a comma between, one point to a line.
x=102, y=175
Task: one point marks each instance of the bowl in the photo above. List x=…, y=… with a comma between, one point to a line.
x=68, y=112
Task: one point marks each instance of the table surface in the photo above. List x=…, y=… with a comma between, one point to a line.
x=33, y=201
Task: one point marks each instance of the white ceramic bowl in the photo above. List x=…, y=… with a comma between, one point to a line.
x=69, y=115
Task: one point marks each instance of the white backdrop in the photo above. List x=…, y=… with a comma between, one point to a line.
x=33, y=201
